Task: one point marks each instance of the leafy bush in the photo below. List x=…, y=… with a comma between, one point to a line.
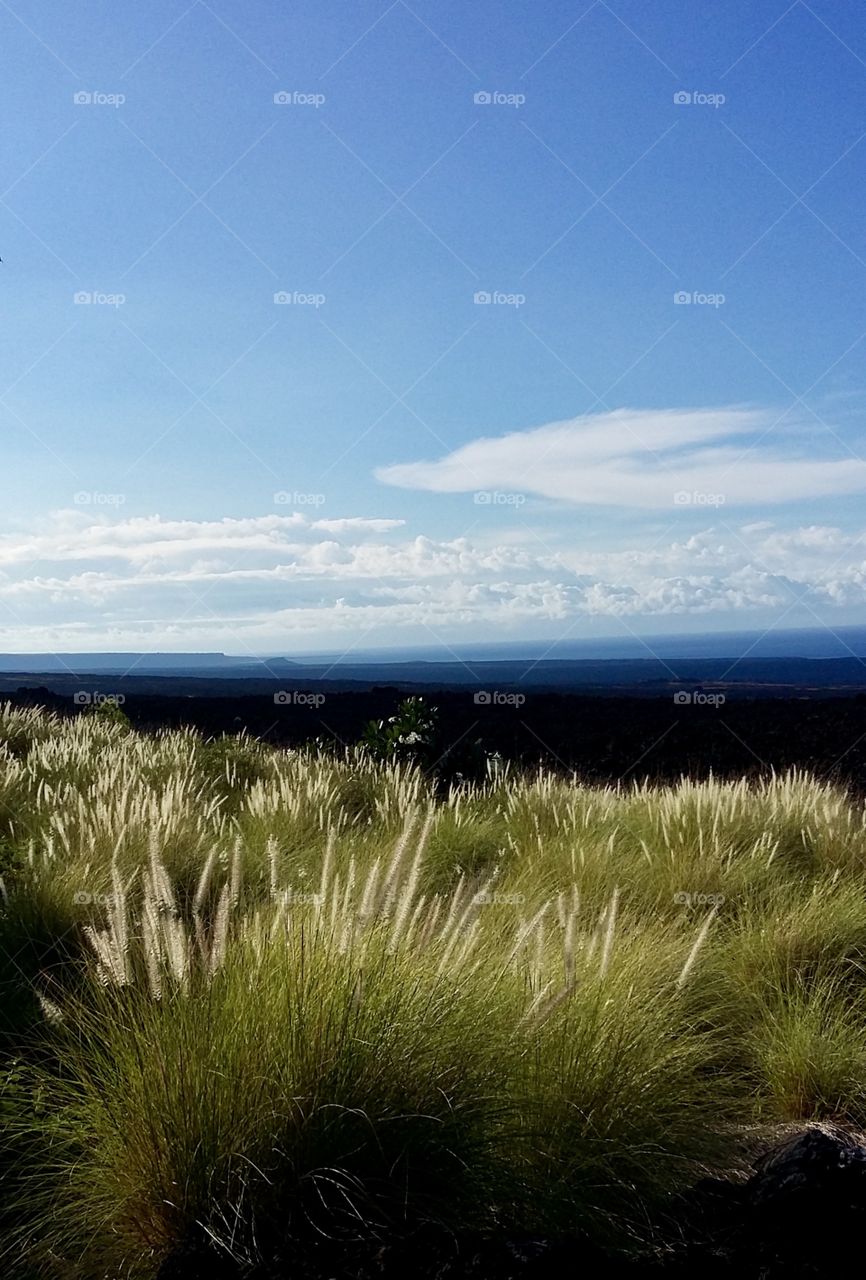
x=409, y=735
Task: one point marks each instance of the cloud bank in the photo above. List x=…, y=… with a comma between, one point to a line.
x=277, y=582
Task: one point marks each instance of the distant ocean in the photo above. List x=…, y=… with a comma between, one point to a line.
x=816, y=642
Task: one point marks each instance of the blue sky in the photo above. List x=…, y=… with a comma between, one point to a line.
x=557, y=353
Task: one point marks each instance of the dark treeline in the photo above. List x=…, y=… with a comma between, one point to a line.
x=603, y=738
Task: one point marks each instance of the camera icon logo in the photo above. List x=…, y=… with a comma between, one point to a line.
x=282, y=698
x=82, y=298
x=682, y=298
x=81, y=698
x=282, y=98
x=82, y=99
x=682, y=698
x=682, y=98
x=482, y=98
x=482, y=698
x=282, y=298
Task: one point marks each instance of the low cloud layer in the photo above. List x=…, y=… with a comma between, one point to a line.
x=274, y=582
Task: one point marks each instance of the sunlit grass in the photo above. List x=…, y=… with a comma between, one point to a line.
x=251, y=997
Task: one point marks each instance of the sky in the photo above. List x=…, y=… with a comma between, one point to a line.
x=329, y=326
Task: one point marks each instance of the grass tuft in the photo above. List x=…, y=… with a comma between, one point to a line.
x=254, y=998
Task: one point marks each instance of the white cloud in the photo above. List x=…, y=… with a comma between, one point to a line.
x=273, y=582
x=74, y=535
x=357, y=524
x=641, y=458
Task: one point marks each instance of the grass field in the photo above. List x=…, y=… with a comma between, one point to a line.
x=252, y=997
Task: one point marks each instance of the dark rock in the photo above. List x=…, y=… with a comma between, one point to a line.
x=806, y=1204
x=822, y=1160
